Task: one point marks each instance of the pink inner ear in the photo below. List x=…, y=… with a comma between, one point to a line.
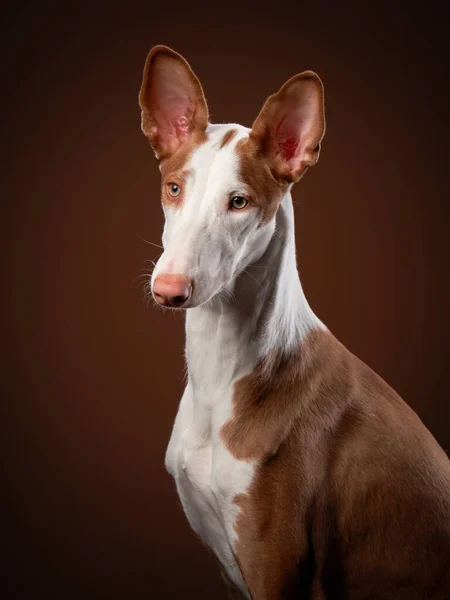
x=171, y=105
x=287, y=136
x=288, y=147
x=182, y=126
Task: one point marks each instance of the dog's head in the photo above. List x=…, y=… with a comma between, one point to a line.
x=221, y=184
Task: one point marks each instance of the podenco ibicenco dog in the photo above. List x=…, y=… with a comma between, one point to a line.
x=297, y=465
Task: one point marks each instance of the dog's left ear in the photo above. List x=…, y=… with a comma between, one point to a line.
x=291, y=126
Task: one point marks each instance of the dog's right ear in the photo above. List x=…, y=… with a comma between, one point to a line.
x=172, y=102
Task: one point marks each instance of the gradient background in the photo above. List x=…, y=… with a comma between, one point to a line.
x=92, y=376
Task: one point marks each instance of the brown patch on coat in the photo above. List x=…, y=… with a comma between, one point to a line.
x=229, y=135
x=173, y=169
x=351, y=495
x=266, y=192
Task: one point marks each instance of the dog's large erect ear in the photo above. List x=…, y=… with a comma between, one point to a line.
x=291, y=126
x=172, y=101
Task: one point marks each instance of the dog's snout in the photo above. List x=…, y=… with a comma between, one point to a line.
x=172, y=290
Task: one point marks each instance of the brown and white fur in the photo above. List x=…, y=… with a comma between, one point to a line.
x=297, y=465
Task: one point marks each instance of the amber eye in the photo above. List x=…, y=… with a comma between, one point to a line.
x=174, y=189
x=238, y=202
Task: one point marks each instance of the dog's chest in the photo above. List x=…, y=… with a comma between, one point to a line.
x=207, y=476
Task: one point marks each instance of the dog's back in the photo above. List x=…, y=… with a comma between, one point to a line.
x=352, y=499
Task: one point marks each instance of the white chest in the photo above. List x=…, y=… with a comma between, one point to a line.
x=208, y=477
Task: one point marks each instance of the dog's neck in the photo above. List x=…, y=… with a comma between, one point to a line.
x=264, y=310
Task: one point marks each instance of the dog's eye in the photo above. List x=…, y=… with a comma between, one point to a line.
x=238, y=202
x=174, y=189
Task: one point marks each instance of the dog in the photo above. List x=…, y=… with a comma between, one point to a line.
x=297, y=465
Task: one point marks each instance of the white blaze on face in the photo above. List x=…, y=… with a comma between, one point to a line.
x=203, y=239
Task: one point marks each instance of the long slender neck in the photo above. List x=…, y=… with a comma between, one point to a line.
x=287, y=315
x=265, y=310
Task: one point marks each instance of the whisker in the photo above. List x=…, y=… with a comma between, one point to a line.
x=151, y=243
x=142, y=275
x=147, y=272
x=148, y=294
x=265, y=267
x=252, y=276
x=146, y=275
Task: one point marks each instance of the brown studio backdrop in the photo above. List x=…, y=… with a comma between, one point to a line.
x=92, y=376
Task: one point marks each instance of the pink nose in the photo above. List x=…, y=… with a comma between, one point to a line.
x=171, y=290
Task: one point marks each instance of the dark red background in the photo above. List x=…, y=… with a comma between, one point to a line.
x=92, y=377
